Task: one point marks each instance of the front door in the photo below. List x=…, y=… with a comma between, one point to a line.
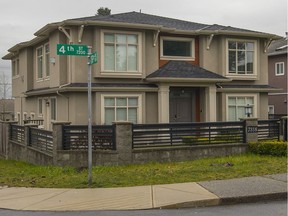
x=182, y=105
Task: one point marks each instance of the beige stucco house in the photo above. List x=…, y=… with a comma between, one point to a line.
x=150, y=69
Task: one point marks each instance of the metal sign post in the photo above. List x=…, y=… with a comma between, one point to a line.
x=84, y=50
x=89, y=119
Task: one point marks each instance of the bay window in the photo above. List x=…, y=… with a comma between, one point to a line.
x=241, y=57
x=121, y=52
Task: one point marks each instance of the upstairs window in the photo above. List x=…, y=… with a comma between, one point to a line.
x=177, y=48
x=47, y=59
x=121, y=52
x=279, y=68
x=39, y=63
x=43, y=61
x=241, y=58
x=15, y=67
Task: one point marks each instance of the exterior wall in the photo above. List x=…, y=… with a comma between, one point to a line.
x=279, y=99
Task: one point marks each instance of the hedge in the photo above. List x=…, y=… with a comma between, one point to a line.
x=273, y=148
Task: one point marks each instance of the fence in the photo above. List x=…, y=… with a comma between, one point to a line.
x=75, y=137
x=67, y=145
x=17, y=133
x=268, y=129
x=41, y=140
x=185, y=134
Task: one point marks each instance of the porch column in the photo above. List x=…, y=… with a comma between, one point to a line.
x=210, y=103
x=163, y=104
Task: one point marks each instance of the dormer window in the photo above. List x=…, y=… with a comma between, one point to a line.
x=173, y=48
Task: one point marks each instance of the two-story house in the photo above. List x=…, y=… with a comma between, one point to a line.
x=151, y=69
x=277, y=68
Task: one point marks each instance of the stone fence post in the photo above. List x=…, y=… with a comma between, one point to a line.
x=57, y=128
x=124, y=142
x=251, y=129
x=5, y=133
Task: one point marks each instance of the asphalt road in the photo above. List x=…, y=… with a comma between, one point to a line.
x=275, y=208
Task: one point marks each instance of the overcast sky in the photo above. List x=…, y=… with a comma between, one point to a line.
x=20, y=19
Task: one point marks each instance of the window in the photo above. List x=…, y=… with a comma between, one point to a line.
x=177, y=48
x=121, y=108
x=39, y=63
x=279, y=68
x=43, y=62
x=121, y=52
x=236, y=107
x=40, y=107
x=15, y=67
x=53, y=108
x=47, y=60
x=241, y=58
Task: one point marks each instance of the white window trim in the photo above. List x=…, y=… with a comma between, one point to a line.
x=255, y=63
x=140, y=102
x=44, y=62
x=271, y=107
x=279, y=74
x=179, y=58
x=16, y=68
x=255, y=105
x=131, y=74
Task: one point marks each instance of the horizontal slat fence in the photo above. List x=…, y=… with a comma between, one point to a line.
x=186, y=134
x=41, y=140
x=18, y=133
x=75, y=137
x=268, y=129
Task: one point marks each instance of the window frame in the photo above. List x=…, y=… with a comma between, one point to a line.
x=114, y=72
x=45, y=63
x=253, y=75
x=254, y=109
x=276, y=69
x=179, y=58
x=139, y=107
x=16, y=68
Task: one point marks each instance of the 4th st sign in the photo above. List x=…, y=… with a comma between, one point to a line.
x=72, y=49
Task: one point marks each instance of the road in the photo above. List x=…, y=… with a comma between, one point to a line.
x=275, y=208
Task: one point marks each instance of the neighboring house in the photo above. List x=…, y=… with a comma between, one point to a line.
x=151, y=69
x=7, y=109
x=277, y=61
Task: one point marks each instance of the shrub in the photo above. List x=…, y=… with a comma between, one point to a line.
x=273, y=148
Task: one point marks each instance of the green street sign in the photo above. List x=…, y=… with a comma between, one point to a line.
x=93, y=58
x=72, y=49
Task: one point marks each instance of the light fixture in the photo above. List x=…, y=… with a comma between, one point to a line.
x=248, y=110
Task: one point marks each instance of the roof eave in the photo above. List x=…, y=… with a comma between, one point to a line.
x=186, y=80
x=248, y=90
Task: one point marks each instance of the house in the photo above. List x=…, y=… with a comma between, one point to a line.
x=277, y=68
x=150, y=69
x=6, y=109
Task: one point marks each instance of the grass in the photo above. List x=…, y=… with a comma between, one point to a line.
x=15, y=173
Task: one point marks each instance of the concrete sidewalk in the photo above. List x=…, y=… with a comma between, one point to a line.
x=194, y=194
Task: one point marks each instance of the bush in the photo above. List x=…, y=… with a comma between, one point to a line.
x=273, y=148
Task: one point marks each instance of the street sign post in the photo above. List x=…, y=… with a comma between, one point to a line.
x=84, y=50
x=72, y=49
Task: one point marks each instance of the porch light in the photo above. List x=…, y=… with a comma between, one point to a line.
x=248, y=110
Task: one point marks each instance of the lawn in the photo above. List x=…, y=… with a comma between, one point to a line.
x=15, y=173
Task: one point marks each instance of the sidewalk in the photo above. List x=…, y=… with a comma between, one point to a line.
x=250, y=189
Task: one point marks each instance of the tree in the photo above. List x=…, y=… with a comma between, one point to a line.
x=5, y=88
x=103, y=11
